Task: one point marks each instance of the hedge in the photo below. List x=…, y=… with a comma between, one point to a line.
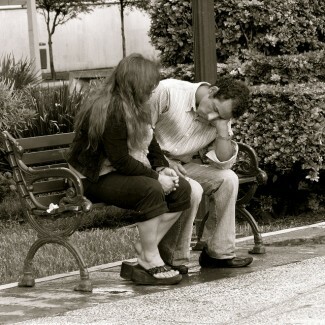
x=286, y=126
x=267, y=27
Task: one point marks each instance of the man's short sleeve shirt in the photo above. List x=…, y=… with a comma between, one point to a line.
x=177, y=130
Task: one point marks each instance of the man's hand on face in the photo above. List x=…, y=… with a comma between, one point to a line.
x=216, y=111
x=221, y=125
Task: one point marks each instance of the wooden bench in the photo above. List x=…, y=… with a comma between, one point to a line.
x=42, y=177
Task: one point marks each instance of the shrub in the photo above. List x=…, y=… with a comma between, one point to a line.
x=180, y=71
x=171, y=30
x=15, y=115
x=17, y=75
x=10, y=207
x=281, y=69
x=55, y=108
x=285, y=125
x=268, y=27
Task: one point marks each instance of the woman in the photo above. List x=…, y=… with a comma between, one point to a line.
x=116, y=151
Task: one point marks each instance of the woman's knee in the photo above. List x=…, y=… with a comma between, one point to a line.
x=154, y=191
x=184, y=190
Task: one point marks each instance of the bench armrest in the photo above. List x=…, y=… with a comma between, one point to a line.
x=247, y=164
x=74, y=200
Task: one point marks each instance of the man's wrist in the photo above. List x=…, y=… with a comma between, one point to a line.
x=222, y=137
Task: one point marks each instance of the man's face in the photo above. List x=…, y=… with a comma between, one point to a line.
x=213, y=108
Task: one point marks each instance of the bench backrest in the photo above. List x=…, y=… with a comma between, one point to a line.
x=41, y=153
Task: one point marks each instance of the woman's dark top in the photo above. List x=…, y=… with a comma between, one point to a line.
x=113, y=146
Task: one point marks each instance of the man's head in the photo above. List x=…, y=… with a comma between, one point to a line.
x=225, y=99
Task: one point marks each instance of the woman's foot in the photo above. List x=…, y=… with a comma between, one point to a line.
x=156, y=267
x=138, y=248
x=182, y=269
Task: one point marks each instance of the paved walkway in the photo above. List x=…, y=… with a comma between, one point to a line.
x=284, y=286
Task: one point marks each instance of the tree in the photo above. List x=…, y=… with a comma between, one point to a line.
x=123, y=4
x=58, y=12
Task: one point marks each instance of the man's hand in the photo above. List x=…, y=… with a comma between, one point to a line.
x=221, y=126
x=178, y=168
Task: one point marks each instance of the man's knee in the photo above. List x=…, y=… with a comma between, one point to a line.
x=230, y=179
x=197, y=192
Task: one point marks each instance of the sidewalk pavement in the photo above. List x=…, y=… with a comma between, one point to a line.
x=284, y=286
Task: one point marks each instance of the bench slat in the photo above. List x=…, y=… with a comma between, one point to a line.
x=54, y=185
x=47, y=200
x=39, y=157
x=47, y=141
x=58, y=165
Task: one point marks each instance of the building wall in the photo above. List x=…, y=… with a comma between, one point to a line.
x=91, y=41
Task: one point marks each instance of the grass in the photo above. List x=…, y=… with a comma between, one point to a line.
x=243, y=229
x=98, y=246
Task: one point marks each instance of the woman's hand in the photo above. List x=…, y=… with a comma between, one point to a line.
x=168, y=171
x=168, y=183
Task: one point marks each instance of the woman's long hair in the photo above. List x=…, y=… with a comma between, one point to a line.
x=123, y=94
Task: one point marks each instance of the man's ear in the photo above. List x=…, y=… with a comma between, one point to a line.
x=213, y=90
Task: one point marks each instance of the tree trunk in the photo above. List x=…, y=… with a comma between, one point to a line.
x=53, y=73
x=122, y=30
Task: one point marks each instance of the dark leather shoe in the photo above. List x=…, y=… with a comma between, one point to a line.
x=209, y=262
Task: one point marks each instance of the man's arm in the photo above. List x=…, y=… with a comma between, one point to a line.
x=159, y=103
x=222, y=145
x=224, y=152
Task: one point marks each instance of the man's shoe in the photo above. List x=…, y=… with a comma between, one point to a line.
x=209, y=262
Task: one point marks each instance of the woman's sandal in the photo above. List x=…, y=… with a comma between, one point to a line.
x=127, y=269
x=146, y=277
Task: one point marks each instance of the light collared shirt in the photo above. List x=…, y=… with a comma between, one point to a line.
x=178, y=131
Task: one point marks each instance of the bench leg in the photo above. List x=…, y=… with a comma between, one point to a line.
x=259, y=247
x=28, y=280
x=199, y=229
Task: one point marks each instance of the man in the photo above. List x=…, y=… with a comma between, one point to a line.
x=188, y=119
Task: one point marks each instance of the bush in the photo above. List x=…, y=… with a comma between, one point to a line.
x=281, y=69
x=262, y=69
x=10, y=207
x=285, y=125
x=267, y=27
x=17, y=75
x=180, y=71
x=15, y=115
x=56, y=109
x=171, y=30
